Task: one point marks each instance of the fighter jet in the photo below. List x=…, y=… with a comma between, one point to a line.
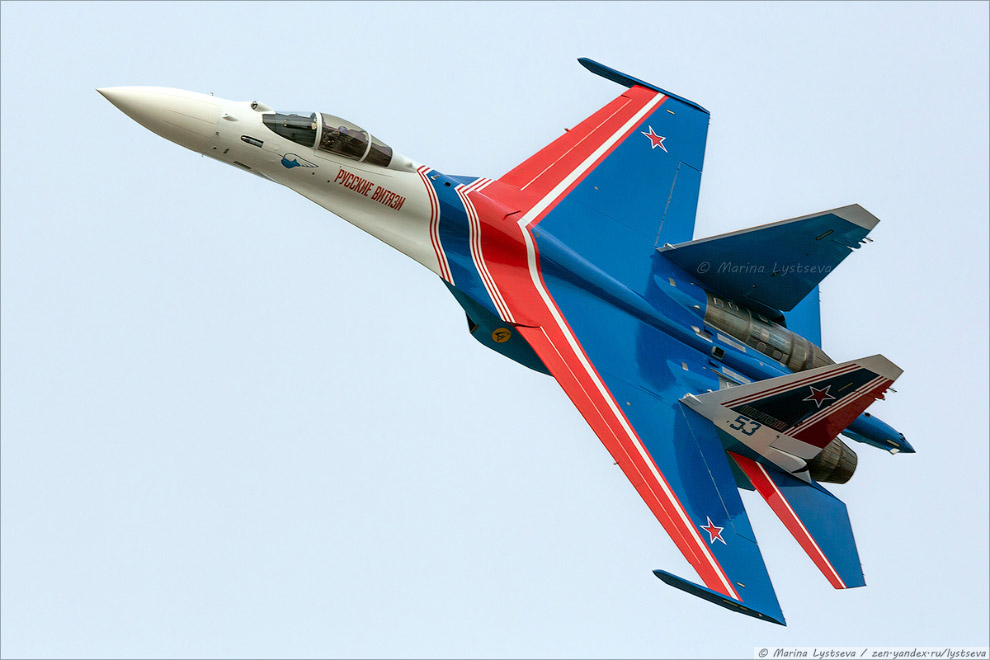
x=696, y=362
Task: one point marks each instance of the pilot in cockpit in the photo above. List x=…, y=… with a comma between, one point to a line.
x=348, y=142
x=337, y=136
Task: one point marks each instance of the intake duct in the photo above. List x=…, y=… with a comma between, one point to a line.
x=835, y=464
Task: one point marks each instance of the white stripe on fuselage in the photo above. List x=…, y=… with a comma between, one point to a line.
x=443, y=265
x=474, y=230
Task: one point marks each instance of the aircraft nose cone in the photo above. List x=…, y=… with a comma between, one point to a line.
x=186, y=118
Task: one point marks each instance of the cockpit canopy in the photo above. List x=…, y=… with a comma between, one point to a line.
x=331, y=134
x=294, y=126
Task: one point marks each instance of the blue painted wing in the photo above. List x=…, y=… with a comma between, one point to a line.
x=631, y=171
x=775, y=265
x=637, y=375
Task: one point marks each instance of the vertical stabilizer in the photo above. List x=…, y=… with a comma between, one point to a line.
x=806, y=318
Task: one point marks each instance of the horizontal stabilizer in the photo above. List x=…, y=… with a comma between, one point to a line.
x=814, y=517
x=775, y=616
x=776, y=265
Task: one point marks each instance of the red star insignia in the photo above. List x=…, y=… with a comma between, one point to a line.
x=714, y=532
x=655, y=140
x=819, y=396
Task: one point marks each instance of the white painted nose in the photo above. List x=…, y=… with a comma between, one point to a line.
x=186, y=118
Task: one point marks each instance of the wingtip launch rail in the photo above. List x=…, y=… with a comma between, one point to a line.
x=628, y=81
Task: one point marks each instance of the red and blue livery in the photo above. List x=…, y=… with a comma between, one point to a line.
x=696, y=362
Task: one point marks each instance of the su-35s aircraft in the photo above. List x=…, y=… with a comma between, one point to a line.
x=698, y=376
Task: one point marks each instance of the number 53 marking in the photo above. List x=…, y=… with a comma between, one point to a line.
x=745, y=425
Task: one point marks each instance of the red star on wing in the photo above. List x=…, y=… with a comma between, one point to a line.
x=714, y=532
x=655, y=140
x=819, y=396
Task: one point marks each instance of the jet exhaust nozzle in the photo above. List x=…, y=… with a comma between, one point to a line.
x=835, y=464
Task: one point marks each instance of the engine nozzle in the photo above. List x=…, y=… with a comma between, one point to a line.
x=835, y=464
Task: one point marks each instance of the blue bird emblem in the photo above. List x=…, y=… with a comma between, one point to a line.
x=293, y=160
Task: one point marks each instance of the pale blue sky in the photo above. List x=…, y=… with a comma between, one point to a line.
x=234, y=425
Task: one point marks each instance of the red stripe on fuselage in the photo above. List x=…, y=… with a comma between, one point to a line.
x=431, y=194
x=478, y=249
